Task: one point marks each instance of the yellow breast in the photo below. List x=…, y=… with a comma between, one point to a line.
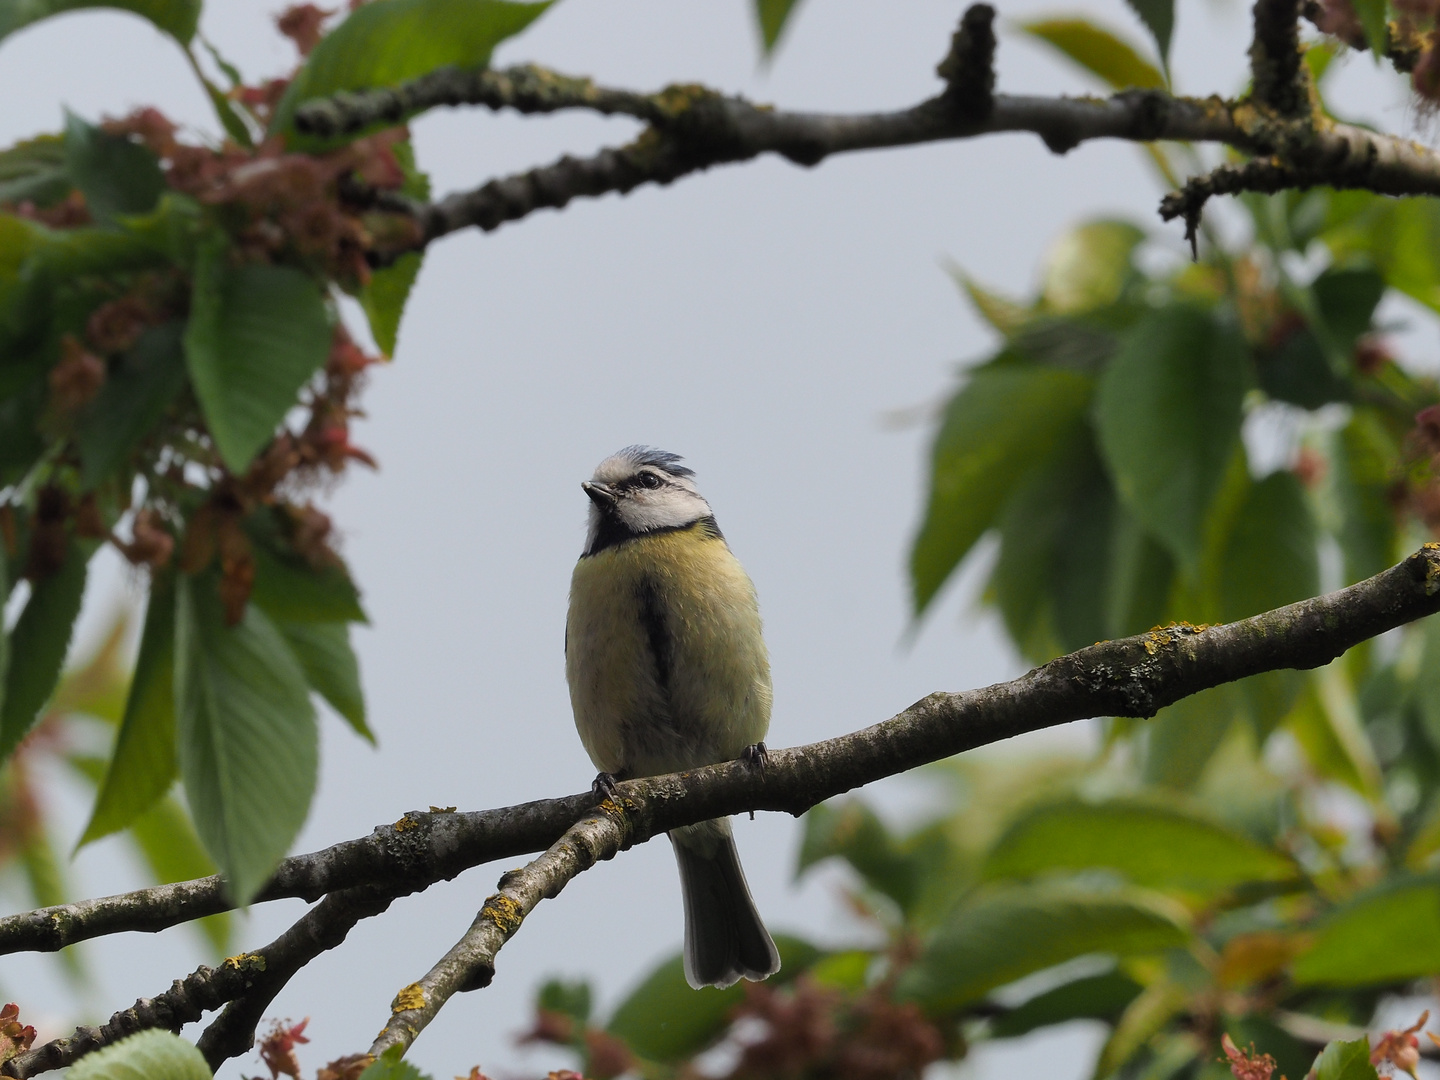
x=664, y=654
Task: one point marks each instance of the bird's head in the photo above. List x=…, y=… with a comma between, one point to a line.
x=640, y=490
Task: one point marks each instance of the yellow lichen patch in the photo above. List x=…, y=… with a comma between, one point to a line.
x=442, y=809
x=1432, y=570
x=679, y=97
x=412, y=997
x=244, y=962
x=406, y=823
x=503, y=912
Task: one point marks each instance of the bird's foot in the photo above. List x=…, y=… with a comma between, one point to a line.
x=604, y=786
x=756, y=756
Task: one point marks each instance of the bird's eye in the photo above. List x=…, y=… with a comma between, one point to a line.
x=649, y=480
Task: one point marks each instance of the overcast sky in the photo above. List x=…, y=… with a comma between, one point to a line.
x=763, y=320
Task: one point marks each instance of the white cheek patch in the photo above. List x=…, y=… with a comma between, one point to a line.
x=665, y=508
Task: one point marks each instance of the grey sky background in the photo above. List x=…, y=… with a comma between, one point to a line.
x=762, y=320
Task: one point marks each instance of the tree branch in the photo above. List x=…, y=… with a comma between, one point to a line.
x=691, y=128
x=1133, y=676
x=470, y=965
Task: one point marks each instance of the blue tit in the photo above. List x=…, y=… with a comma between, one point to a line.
x=668, y=671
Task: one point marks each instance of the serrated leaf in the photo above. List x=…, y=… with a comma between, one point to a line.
x=148, y=1055
x=325, y=655
x=1388, y=935
x=1002, y=423
x=1099, y=51
x=290, y=589
x=117, y=176
x=256, y=335
x=137, y=392
x=1168, y=413
x=166, y=839
x=772, y=16
x=1159, y=18
x=38, y=645
x=384, y=44
x=144, y=763
x=177, y=18
x=1004, y=933
x=1149, y=842
x=664, y=1020
x=384, y=296
x=247, y=734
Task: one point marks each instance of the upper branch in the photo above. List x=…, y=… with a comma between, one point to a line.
x=1276, y=68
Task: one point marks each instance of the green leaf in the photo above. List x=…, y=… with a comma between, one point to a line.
x=1372, y=14
x=228, y=113
x=38, y=645
x=391, y=1066
x=1089, y=266
x=1002, y=314
x=573, y=999
x=1270, y=558
x=324, y=652
x=1150, y=842
x=117, y=176
x=1098, y=997
x=248, y=742
x=148, y=1055
x=290, y=589
x=1138, y=1027
x=1184, y=736
x=137, y=392
x=1388, y=935
x=384, y=296
x=1168, y=413
x=1003, y=933
x=850, y=830
x=166, y=839
x=1345, y=1061
x=177, y=18
x=34, y=171
x=1358, y=483
x=1159, y=18
x=772, y=16
x=1061, y=519
x=1141, y=571
x=1002, y=423
x=143, y=765
x=393, y=41
x=663, y=1020
x=1326, y=723
x=257, y=334
x=1101, y=52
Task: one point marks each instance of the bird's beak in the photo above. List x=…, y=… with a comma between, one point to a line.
x=599, y=494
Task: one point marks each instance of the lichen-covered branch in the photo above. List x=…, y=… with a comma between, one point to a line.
x=1133, y=676
x=244, y=984
x=690, y=128
x=470, y=965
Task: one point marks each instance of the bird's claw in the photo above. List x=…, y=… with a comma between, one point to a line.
x=756, y=756
x=604, y=786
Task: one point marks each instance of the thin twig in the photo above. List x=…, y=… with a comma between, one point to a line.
x=470, y=964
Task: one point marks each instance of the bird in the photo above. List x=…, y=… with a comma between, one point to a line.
x=668, y=670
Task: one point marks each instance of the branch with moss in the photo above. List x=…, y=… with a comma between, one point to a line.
x=1135, y=676
x=690, y=128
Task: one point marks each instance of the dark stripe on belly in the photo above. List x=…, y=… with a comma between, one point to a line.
x=614, y=532
x=657, y=631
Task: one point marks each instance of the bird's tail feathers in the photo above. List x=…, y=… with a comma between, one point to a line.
x=724, y=937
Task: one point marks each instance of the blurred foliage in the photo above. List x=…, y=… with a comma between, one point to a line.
x=1233, y=886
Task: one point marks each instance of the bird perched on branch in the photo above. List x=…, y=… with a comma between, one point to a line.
x=668, y=671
